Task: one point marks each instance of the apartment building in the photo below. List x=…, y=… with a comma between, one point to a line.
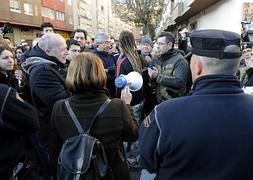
x=98, y=16
x=26, y=17
x=205, y=14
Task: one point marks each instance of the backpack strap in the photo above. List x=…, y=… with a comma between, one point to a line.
x=75, y=120
x=99, y=113
x=73, y=117
x=3, y=105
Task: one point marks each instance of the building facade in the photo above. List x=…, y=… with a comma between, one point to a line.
x=26, y=17
x=98, y=16
x=208, y=14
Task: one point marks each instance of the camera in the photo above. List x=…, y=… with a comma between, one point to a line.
x=247, y=31
x=5, y=28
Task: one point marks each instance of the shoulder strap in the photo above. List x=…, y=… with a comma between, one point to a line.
x=75, y=120
x=73, y=117
x=99, y=113
x=119, y=62
x=3, y=105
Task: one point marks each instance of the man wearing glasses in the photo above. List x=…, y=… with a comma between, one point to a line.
x=172, y=71
x=103, y=46
x=73, y=48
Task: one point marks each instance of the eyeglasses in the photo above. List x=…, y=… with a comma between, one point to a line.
x=161, y=43
x=75, y=50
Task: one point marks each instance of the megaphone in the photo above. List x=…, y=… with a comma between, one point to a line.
x=133, y=80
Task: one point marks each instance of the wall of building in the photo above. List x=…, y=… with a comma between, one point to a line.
x=225, y=14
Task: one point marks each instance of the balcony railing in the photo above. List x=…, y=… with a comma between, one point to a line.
x=177, y=11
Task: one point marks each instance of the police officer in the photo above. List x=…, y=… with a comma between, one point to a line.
x=207, y=135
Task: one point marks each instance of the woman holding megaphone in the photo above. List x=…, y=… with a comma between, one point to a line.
x=129, y=60
x=129, y=76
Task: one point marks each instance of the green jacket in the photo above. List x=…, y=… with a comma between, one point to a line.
x=173, y=77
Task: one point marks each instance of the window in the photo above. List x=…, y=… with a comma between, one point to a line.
x=28, y=9
x=59, y=15
x=15, y=5
x=49, y=13
x=36, y=10
x=193, y=26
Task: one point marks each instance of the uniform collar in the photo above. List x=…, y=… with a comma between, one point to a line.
x=216, y=84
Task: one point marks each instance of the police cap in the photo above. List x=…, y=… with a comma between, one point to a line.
x=211, y=43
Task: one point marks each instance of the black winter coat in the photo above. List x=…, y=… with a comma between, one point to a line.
x=20, y=121
x=109, y=63
x=116, y=125
x=47, y=84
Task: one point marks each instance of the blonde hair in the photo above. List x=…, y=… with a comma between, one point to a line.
x=84, y=72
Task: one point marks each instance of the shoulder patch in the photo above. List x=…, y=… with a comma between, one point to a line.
x=147, y=121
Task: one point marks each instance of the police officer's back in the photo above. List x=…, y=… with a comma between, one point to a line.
x=207, y=135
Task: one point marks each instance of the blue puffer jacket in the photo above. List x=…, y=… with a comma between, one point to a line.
x=205, y=136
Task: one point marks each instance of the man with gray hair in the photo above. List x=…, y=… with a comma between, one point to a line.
x=103, y=45
x=46, y=70
x=208, y=134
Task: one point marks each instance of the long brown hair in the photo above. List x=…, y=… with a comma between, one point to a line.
x=128, y=46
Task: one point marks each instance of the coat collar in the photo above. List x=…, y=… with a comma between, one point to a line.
x=90, y=95
x=216, y=84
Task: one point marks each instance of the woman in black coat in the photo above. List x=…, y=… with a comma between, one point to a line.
x=86, y=79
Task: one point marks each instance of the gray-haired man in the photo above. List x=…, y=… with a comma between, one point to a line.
x=102, y=41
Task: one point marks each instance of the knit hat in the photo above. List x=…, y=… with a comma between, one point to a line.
x=146, y=40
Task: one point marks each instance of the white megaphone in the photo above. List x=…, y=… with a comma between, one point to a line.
x=133, y=80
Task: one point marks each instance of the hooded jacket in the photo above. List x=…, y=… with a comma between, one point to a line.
x=47, y=85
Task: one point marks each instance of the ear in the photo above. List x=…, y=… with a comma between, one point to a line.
x=47, y=51
x=170, y=45
x=199, y=69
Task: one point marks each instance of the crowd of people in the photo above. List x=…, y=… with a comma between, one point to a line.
x=191, y=119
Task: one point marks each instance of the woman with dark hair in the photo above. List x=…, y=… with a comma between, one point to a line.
x=8, y=73
x=86, y=80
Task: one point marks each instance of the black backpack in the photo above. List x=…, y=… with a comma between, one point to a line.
x=82, y=156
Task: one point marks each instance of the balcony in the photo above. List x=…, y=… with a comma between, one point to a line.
x=176, y=11
x=193, y=7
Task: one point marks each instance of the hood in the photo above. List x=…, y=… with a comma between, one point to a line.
x=32, y=62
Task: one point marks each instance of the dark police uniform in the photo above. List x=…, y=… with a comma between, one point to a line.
x=207, y=135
